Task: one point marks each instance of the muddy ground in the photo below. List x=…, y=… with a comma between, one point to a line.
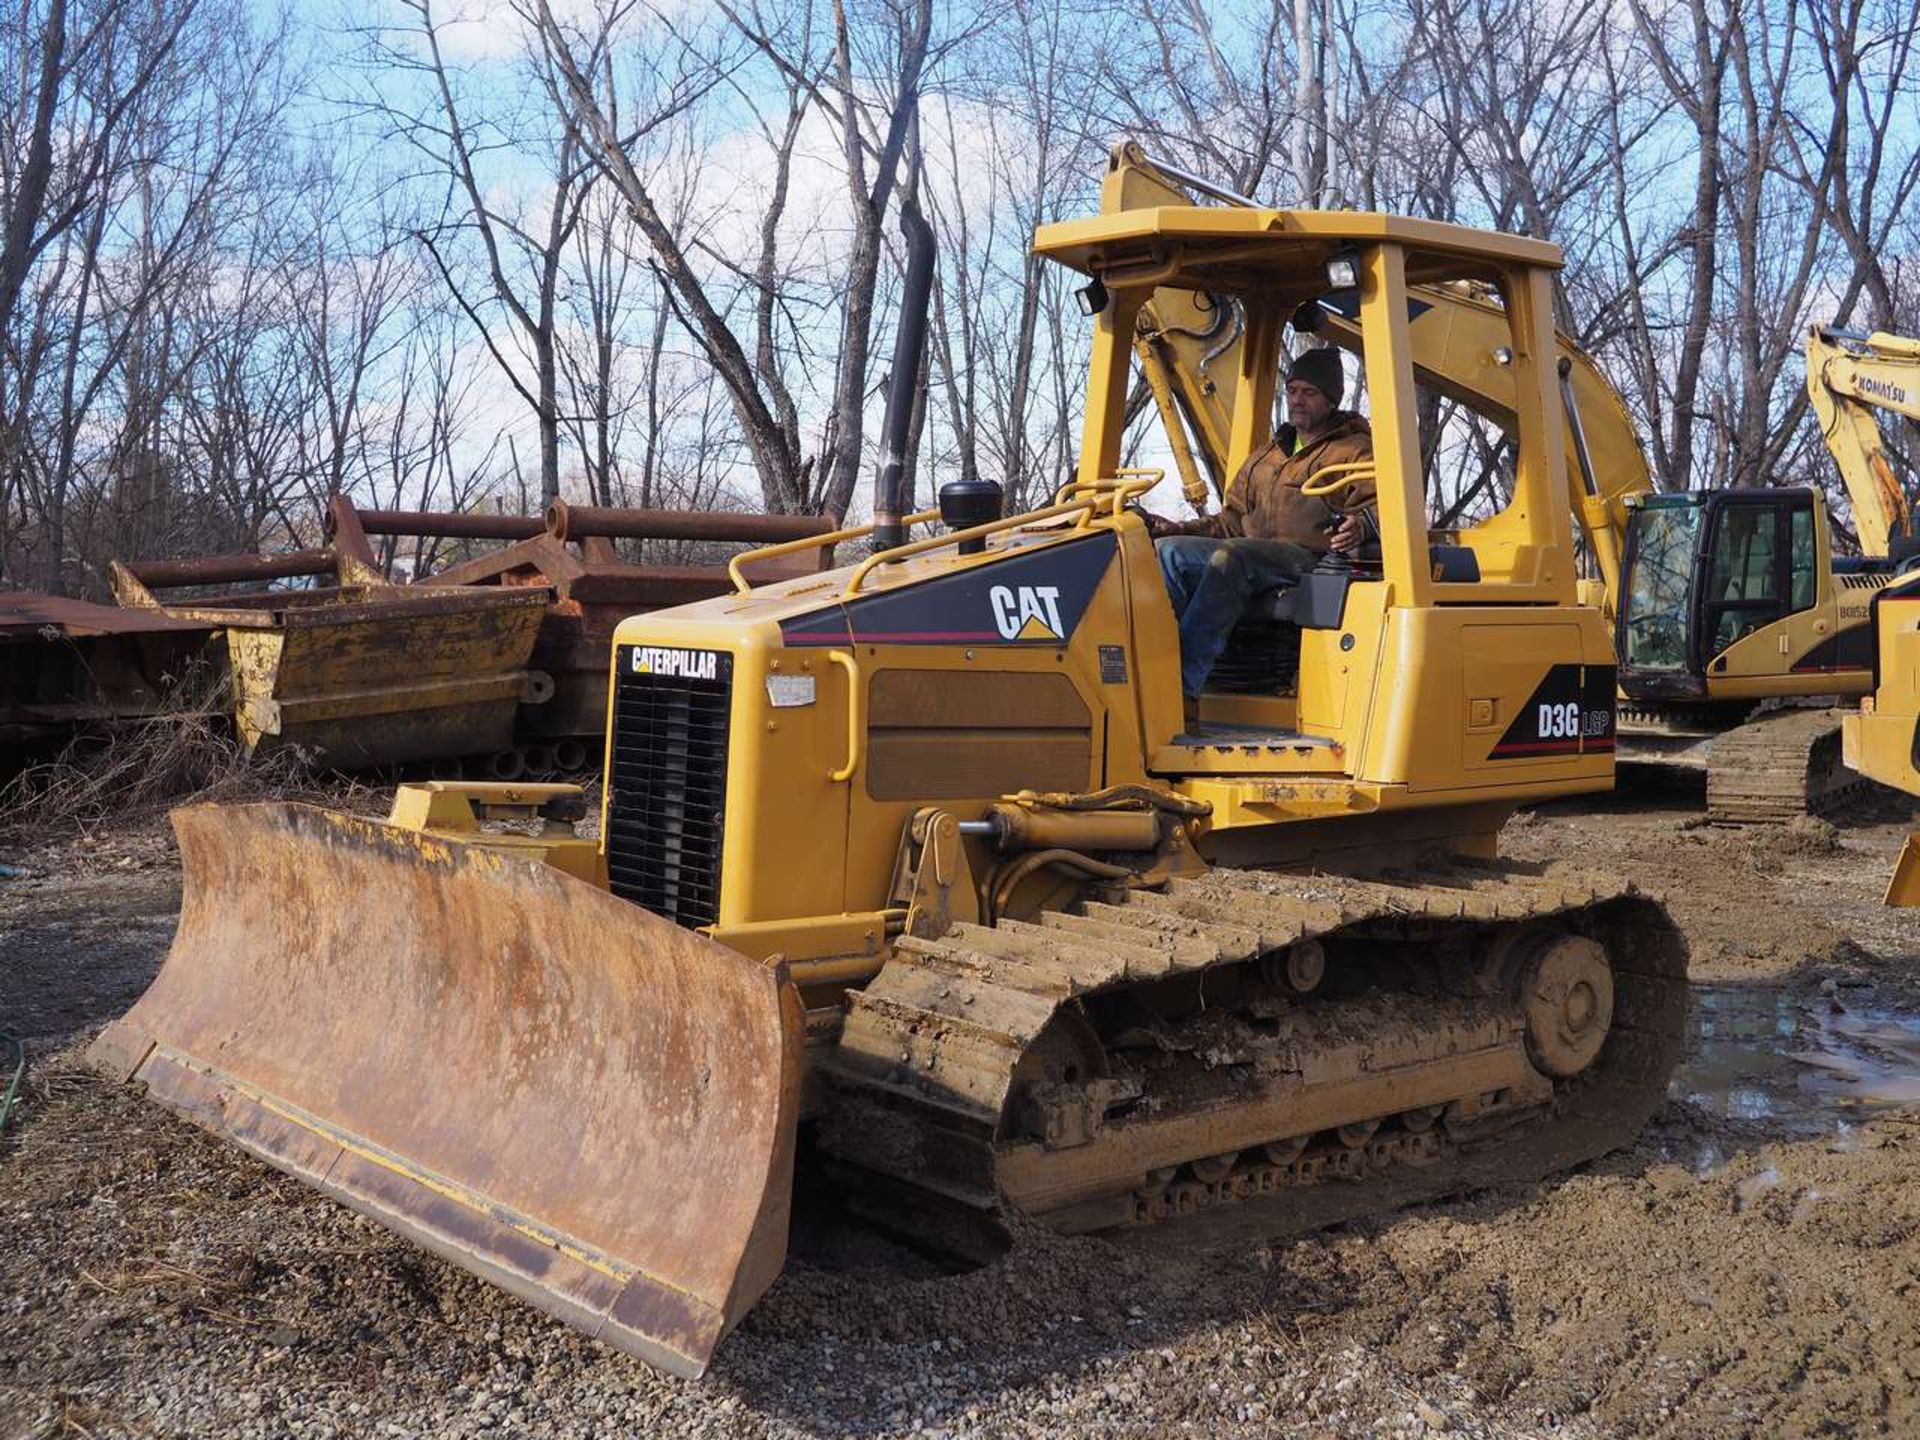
x=1750, y=1267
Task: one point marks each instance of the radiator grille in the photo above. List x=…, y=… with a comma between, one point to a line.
x=667, y=782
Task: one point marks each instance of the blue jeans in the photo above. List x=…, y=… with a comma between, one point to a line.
x=1210, y=582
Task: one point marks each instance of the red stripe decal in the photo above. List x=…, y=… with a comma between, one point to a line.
x=1540, y=747
x=909, y=637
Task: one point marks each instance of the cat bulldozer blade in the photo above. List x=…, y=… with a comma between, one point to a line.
x=588, y=1105
x=917, y=874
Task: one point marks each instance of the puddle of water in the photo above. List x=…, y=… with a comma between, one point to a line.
x=1756, y=1053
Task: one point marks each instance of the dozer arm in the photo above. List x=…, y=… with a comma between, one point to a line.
x=1459, y=334
x=1849, y=377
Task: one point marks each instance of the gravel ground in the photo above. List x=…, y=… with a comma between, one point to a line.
x=1747, y=1268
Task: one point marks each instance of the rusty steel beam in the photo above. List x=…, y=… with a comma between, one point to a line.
x=231, y=569
x=344, y=531
x=446, y=524
x=27, y=615
x=579, y=522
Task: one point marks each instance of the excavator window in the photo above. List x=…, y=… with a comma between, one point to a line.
x=1660, y=568
x=1760, y=564
x=1801, y=557
x=1744, y=583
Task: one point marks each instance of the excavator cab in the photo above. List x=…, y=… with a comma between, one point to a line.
x=1710, y=577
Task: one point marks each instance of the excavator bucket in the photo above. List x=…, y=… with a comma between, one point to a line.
x=544, y=1084
x=1903, y=887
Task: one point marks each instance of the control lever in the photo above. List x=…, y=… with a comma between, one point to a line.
x=1334, y=562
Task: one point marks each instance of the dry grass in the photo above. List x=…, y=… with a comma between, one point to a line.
x=135, y=772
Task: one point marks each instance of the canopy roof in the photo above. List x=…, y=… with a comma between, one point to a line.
x=1211, y=248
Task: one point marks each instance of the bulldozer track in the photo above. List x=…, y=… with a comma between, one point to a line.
x=1142, y=1058
x=1778, y=766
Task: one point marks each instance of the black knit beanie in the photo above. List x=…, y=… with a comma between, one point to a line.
x=1320, y=368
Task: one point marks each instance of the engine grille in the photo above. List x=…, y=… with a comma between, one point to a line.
x=667, y=782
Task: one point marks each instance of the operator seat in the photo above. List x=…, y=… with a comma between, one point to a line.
x=1263, y=653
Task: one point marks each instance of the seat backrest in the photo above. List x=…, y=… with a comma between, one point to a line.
x=1454, y=564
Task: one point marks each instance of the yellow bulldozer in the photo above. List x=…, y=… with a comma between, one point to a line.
x=915, y=872
x=1882, y=741
x=1738, y=631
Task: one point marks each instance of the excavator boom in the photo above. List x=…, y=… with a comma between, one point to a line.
x=1849, y=377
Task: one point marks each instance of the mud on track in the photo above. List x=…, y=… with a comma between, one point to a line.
x=1750, y=1267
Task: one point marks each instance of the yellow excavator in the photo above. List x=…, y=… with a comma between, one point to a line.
x=914, y=873
x=1734, y=621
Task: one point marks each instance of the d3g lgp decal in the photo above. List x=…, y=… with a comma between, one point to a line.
x=1035, y=598
x=1570, y=712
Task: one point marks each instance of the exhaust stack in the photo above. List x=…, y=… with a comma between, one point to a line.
x=909, y=343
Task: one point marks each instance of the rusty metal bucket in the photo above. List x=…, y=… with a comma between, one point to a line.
x=546, y=1085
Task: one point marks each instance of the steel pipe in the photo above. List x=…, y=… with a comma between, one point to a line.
x=230, y=569
x=580, y=522
x=448, y=524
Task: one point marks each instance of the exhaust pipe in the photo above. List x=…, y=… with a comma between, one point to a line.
x=909, y=343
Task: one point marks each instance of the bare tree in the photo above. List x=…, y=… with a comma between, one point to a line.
x=872, y=137
x=501, y=260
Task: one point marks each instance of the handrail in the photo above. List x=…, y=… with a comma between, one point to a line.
x=1125, y=483
x=810, y=542
x=1345, y=476
x=954, y=537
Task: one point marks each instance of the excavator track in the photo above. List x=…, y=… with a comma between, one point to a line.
x=1778, y=766
x=1235, y=1041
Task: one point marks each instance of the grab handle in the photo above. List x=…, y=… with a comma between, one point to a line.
x=856, y=715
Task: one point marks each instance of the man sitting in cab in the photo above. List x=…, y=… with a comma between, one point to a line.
x=1267, y=531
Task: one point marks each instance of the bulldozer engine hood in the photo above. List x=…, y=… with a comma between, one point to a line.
x=1037, y=598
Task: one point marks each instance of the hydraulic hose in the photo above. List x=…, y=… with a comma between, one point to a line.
x=1010, y=876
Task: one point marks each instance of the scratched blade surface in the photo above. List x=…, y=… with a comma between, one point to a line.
x=550, y=1087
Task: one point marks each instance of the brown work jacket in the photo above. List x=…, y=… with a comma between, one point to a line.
x=1264, y=500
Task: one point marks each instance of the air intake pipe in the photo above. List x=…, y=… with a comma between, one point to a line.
x=909, y=344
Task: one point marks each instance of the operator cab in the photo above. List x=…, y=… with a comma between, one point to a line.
x=1262, y=279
